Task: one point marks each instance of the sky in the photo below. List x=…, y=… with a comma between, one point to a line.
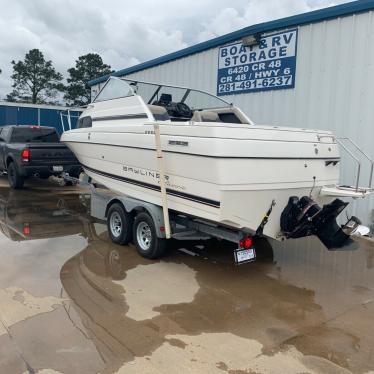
x=125, y=32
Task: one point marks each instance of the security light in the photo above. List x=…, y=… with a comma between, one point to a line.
x=251, y=40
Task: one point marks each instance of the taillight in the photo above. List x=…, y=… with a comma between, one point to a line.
x=25, y=155
x=247, y=242
x=26, y=229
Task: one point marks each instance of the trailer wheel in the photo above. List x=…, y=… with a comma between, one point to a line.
x=119, y=224
x=146, y=241
x=15, y=179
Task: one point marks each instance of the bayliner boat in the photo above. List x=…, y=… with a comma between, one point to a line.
x=219, y=166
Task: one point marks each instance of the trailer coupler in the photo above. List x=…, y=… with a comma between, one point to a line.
x=304, y=217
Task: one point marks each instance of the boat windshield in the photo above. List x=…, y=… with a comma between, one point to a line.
x=157, y=94
x=114, y=88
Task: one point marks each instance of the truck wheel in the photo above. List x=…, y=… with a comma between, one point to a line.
x=146, y=241
x=119, y=224
x=16, y=181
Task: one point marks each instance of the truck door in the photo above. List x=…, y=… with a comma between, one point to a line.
x=2, y=149
x=4, y=138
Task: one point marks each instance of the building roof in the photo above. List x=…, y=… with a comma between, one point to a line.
x=292, y=21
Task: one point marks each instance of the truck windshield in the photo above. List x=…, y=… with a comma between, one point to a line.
x=33, y=135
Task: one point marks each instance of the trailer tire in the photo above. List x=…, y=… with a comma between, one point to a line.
x=119, y=224
x=16, y=181
x=146, y=241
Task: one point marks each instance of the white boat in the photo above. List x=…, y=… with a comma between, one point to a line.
x=219, y=166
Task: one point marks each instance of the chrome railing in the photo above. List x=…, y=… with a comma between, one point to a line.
x=341, y=141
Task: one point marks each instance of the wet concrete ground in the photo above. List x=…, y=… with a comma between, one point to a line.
x=73, y=302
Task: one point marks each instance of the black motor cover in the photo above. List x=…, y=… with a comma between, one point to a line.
x=304, y=217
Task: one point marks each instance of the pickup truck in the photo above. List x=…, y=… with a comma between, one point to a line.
x=34, y=151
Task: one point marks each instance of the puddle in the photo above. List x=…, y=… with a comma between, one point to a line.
x=147, y=310
x=204, y=354
x=76, y=303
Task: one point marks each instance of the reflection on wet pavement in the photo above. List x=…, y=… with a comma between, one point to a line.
x=73, y=302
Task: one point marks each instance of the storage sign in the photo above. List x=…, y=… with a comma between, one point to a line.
x=269, y=65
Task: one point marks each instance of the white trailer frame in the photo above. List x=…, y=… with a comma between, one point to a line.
x=182, y=227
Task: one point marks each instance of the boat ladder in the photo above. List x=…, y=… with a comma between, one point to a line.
x=355, y=191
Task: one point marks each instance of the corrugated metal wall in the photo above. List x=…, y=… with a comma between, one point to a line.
x=334, y=86
x=19, y=115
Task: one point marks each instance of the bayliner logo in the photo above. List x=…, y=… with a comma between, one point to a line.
x=143, y=172
x=153, y=174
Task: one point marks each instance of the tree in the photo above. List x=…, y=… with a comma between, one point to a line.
x=35, y=80
x=87, y=67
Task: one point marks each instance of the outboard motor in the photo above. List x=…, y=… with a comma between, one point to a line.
x=304, y=217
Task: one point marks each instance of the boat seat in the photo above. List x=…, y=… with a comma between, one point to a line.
x=205, y=116
x=159, y=112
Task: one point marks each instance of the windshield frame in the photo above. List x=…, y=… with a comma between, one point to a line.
x=157, y=88
x=188, y=90
x=94, y=100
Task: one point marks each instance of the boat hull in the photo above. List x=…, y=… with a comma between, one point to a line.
x=237, y=209
x=209, y=179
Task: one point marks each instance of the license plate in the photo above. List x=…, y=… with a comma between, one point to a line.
x=244, y=255
x=58, y=168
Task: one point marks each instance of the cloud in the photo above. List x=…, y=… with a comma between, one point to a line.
x=257, y=11
x=125, y=34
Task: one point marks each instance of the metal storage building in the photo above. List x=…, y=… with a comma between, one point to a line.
x=34, y=114
x=313, y=70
